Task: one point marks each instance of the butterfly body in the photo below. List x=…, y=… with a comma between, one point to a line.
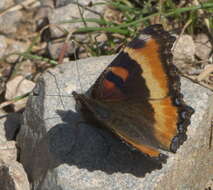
x=138, y=96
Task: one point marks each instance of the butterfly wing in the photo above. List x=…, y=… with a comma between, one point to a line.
x=143, y=70
x=138, y=95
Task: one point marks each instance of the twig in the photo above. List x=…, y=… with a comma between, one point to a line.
x=64, y=48
x=18, y=6
x=182, y=32
x=6, y=103
x=77, y=67
x=2, y=116
x=84, y=22
x=194, y=79
x=53, y=25
x=16, y=99
x=57, y=86
x=208, y=69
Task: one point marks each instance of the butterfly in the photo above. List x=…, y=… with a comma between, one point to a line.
x=137, y=97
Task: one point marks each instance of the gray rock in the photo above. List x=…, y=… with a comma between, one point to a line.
x=9, y=46
x=8, y=151
x=60, y=3
x=5, y=4
x=18, y=1
x=70, y=12
x=15, y=46
x=12, y=125
x=60, y=151
x=9, y=22
x=2, y=4
x=3, y=117
x=209, y=184
x=55, y=49
x=203, y=46
x=3, y=45
x=184, y=53
x=13, y=176
x=9, y=126
x=184, y=48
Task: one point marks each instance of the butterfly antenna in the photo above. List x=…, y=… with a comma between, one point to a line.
x=211, y=135
x=57, y=86
x=211, y=123
x=76, y=65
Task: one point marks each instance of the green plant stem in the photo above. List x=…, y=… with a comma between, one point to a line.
x=36, y=57
x=118, y=29
x=17, y=98
x=106, y=29
x=170, y=13
x=95, y=20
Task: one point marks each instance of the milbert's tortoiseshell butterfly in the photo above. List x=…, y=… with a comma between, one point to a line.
x=138, y=96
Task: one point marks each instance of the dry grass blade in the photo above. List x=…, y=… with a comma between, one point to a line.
x=211, y=121
x=64, y=48
x=207, y=71
x=12, y=101
x=181, y=34
x=194, y=79
x=201, y=12
x=19, y=6
x=6, y=103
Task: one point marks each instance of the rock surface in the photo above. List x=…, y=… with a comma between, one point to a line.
x=18, y=86
x=59, y=150
x=8, y=151
x=13, y=176
x=9, y=22
x=5, y=4
x=12, y=173
x=3, y=45
x=185, y=49
x=71, y=11
x=203, y=46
